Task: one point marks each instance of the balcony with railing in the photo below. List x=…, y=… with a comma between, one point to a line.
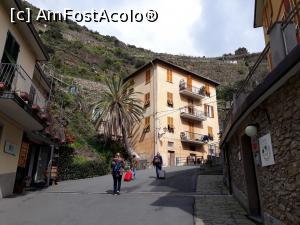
x=20, y=98
x=191, y=113
x=281, y=56
x=284, y=33
x=191, y=91
x=193, y=138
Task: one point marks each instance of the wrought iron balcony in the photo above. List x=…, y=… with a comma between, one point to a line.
x=20, y=98
x=277, y=56
x=14, y=79
x=189, y=112
x=193, y=138
x=191, y=91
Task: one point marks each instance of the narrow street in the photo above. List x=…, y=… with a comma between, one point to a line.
x=145, y=201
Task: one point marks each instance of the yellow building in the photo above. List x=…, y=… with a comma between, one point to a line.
x=180, y=119
x=24, y=92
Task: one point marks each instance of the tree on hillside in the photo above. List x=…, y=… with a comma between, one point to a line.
x=241, y=51
x=118, y=110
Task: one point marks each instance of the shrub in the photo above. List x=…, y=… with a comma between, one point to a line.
x=71, y=166
x=139, y=63
x=54, y=32
x=74, y=26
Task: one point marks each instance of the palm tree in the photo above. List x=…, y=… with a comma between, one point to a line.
x=117, y=110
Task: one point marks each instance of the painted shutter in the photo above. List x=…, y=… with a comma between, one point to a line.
x=170, y=98
x=189, y=82
x=210, y=131
x=205, y=110
x=207, y=90
x=171, y=122
x=147, y=122
x=147, y=100
x=148, y=76
x=169, y=76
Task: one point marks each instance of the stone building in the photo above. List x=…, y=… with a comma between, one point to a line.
x=261, y=139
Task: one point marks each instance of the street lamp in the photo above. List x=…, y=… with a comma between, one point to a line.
x=251, y=130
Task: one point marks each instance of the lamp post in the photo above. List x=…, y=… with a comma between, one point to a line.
x=251, y=130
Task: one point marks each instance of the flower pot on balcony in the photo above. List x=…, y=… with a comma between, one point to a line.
x=44, y=116
x=47, y=131
x=56, y=137
x=24, y=95
x=36, y=108
x=2, y=86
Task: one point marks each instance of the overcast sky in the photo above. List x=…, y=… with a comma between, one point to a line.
x=190, y=27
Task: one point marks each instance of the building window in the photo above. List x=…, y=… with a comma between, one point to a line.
x=131, y=85
x=147, y=100
x=11, y=50
x=147, y=124
x=170, y=99
x=209, y=111
x=210, y=133
x=169, y=76
x=148, y=76
x=207, y=90
x=170, y=124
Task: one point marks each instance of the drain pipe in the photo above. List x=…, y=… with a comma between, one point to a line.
x=155, y=107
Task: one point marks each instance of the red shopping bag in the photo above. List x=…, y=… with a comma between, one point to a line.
x=128, y=176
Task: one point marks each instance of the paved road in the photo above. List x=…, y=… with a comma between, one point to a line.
x=146, y=201
x=214, y=205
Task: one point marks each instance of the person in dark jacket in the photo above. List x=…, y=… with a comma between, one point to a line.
x=157, y=162
x=117, y=166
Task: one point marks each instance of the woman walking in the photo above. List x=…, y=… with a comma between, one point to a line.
x=117, y=166
x=133, y=166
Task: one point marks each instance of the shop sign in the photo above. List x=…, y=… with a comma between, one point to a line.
x=23, y=155
x=10, y=148
x=266, y=151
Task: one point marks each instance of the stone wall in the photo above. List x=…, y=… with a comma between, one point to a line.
x=278, y=184
x=236, y=166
